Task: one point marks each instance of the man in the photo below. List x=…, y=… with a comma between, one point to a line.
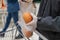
x=49, y=25
x=12, y=8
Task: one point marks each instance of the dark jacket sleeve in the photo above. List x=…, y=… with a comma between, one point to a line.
x=48, y=24
x=49, y=10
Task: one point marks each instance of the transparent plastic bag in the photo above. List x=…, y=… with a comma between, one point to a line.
x=26, y=29
x=24, y=7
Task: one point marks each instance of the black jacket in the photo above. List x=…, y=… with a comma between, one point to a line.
x=49, y=10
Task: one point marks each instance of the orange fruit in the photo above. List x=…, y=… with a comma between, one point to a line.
x=27, y=17
x=27, y=33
